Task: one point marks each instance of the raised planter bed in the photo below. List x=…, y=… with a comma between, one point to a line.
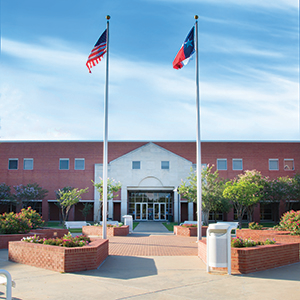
x=60, y=259
x=111, y=231
x=188, y=231
x=42, y=232
x=262, y=235
x=259, y=258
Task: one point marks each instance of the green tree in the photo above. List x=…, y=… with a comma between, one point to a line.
x=24, y=194
x=66, y=198
x=212, y=192
x=86, y=209
x=241, y=194
x=255, y=177
x=5, y=195
x=112, y=188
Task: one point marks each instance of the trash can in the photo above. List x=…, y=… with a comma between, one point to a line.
x=219, y=246
x=128, y=221
x=170, y=218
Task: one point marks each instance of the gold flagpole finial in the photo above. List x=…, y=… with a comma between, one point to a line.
x=196, y=17
x=107, y=17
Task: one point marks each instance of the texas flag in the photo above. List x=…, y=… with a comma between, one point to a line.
x=186, y=51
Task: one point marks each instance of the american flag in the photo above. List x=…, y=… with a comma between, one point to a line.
x=98, y=51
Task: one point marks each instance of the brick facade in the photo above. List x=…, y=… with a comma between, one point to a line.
x=46, y=155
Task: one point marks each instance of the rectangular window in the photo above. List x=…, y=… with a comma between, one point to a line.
x=237, y=164
x=79, y=164
x=273, y=165
x=165, y=165
x=136, y=165
x=222, y=164
x=28, y=164
x=288, y=164
x=64, y=164
x=13, y=164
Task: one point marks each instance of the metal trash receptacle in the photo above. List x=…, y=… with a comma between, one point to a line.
x=128, y=221
x=219, y=246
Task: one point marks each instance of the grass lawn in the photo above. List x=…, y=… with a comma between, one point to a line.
x=135, y=224
x=170, y=225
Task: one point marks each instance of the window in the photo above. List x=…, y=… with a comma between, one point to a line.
x=13, y=164
x=273, y=165
x=136, y=165
x=79, y=164
x=64, y=164
x=288, y=164
x=237, y=164
x=165, y=165
x=28, y=164
x=222, y=164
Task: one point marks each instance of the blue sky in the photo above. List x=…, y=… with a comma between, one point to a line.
x=249, y=70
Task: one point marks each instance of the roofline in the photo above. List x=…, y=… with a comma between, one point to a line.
x=149, y=141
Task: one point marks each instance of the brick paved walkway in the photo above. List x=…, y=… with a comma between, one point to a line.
x=153, y=245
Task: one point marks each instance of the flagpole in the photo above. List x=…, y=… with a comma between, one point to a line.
x=199, y=168
x=105, y=138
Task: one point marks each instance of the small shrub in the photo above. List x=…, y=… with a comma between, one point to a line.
x=290, y=221
x=66, y=241
x=270, y=242
x=255, y=226
x=34, y=217
x=189, y=225
x=109, y=225
x=237, y=243
x=11, y=223
x=240, y=243
x=249, y=243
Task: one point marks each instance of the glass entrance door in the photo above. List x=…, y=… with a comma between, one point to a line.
x=141, y=211
x=159, y=211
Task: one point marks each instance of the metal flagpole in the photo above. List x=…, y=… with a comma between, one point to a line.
x=199, y=168
x=105, y=156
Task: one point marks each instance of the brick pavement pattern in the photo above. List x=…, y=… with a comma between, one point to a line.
x=153, y=245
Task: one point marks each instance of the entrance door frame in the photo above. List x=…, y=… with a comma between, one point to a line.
x=141, y=204
x=159, y=204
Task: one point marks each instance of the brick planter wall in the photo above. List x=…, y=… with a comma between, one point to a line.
x=60, y=259
x=50, y=232
x=188, y=231
x=43, y=233
x=262, y=235
x=6, y=238
x=259, y=258
x=111, y=231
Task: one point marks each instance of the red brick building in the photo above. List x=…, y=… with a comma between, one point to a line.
x=148, y=171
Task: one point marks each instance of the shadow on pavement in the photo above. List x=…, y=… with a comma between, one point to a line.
x=124, y=267
x=290, y=272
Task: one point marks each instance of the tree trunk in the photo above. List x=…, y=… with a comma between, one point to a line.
x=205, y=217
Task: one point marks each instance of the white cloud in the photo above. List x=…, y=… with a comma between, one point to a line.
x=56, y=99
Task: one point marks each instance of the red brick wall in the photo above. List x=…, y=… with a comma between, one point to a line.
x=188, y=231
x=262, y=235
x=111, y=231
x=259, y=258
x=57, y=258
x=46, y=156
x=6, y=238
x=43, y=233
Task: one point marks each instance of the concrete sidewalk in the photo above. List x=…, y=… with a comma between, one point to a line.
x=151, y=228
x=151, y=277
